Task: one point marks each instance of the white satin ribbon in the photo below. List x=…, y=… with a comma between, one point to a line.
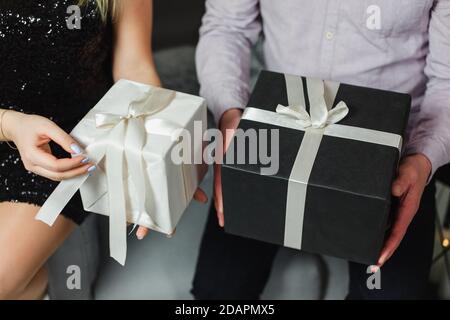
x=321, y=120
x=125, y=136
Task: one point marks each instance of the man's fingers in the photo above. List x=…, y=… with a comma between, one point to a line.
x=221, y=218
x=393, y=241
x=409, y=186
x=389, y=248
x=406, y=212
x=407, y=209
x=141, y=232
x=200, y=196
x=401, y=184
x=218, y=201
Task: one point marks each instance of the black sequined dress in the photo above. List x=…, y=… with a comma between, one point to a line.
x=54, y=67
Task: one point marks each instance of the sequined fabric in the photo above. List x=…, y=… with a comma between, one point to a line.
x=50, y=69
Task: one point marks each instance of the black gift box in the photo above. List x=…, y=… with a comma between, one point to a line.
x=348, y=199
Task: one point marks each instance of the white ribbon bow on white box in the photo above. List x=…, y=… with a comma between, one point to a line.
x=124, y=137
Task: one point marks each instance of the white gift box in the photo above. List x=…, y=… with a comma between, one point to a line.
x=134, y=134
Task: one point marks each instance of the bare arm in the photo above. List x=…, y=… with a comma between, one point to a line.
x=133, y=57
x=132, y=53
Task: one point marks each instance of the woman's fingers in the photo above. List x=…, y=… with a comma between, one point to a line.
x=141, y=232
x=200, y=196
x=62, y=138
x=59, y=176
x=40, y=158
x=170, y=235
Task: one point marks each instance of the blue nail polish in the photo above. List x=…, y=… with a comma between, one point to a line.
x=92, y=169
x=75, y=148
x=85, y=160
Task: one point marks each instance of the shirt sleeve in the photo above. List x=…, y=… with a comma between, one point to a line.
x=229, y=30
x=431, y=132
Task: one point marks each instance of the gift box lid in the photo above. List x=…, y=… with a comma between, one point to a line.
x=346, y=165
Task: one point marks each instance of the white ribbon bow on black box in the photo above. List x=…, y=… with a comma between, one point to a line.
x=321, y=120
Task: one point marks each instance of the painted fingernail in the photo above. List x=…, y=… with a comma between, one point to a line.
x=75, y=148
x=85, y=160
x=92, y=169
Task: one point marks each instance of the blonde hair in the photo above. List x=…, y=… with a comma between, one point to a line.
x=105, y=7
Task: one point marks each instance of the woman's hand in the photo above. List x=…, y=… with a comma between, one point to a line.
x=32, y=134
x=412, y=178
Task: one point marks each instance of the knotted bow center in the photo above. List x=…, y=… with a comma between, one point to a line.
x=320, y=114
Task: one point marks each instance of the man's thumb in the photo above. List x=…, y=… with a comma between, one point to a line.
x=400, y=185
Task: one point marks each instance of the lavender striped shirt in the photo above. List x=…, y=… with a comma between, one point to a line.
x=399, y=45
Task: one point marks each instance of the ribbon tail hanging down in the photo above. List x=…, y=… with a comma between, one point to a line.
x=66, y=189
x=117, y=208
x=297, y=187
x=134, y=142
x=309, y=148
x=59, y=198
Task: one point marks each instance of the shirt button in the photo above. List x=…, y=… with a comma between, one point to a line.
x=329, y=35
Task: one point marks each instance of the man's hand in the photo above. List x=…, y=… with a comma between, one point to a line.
x=228, y=124
x=411, y=181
